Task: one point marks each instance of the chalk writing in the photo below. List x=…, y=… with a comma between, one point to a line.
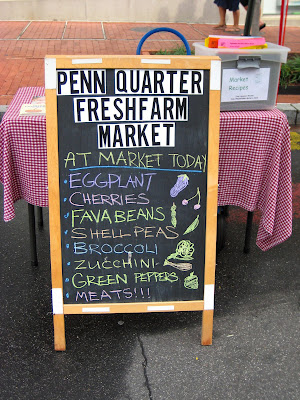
x=115, y=295
x=144, y=232
x=82, y=215
x=81, y=199
x=130, y=159
x=113, y=263
x=100, y=180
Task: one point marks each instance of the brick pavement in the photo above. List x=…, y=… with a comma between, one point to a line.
x=24, y=44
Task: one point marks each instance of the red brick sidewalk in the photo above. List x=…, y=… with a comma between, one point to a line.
x=24, y=44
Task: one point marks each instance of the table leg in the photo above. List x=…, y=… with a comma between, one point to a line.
x=226, y=211
x=32, y=235
x=40, y=217
x=220, y=231
x=248, y=232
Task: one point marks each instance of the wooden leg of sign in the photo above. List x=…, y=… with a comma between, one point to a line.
x=59, y=332
x=207, y=327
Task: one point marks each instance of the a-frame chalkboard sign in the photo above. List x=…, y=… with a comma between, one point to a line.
x=133, y=174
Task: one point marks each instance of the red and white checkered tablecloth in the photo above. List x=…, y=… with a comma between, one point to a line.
x=23, y=154
x=255, y=170
x=254, y=164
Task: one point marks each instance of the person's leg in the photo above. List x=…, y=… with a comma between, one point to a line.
x=262, y=24
x=236, y=19
x=233, y=6
x=222, y=14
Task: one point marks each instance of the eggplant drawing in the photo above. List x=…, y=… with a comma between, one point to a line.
x=181, y=183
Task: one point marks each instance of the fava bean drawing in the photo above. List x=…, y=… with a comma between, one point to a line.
x=173, y=215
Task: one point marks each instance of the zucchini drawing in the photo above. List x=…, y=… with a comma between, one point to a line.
x=180, y=266
x=193, y=226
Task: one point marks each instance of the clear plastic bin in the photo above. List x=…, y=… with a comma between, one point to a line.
x=250, y=77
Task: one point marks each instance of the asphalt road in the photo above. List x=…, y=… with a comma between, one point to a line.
x=255, y=350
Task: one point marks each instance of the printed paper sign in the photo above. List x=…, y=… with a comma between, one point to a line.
x=249, y=84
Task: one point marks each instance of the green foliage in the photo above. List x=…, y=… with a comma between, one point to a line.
x=290, y=72
x=178, y=51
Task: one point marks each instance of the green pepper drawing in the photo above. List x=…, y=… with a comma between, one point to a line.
x=191, y=281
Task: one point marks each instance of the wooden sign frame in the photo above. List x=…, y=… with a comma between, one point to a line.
x=54, y=63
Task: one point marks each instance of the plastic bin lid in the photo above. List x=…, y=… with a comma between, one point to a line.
x=273, y=52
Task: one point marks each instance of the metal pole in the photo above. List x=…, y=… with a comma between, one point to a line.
x=255, y=19
x=40, y=217
x=32, y=235
x=249, y=18
x=248, y=232
x=282, y=25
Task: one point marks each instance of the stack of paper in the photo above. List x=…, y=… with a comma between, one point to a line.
x=236, y=42
x=36, y=107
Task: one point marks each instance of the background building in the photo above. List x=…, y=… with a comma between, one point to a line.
x=161, y=11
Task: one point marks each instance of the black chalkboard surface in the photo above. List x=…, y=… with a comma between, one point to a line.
x=132, y=144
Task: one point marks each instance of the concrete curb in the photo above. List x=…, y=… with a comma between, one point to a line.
x=292, y=111
x=2, y=111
